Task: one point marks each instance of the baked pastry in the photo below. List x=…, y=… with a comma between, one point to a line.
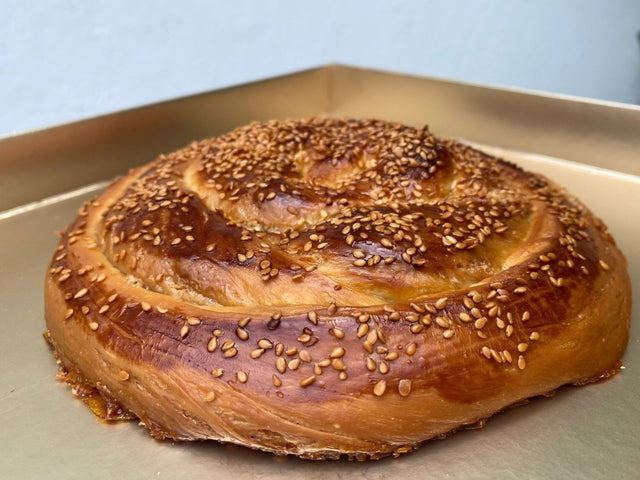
x=325, y=287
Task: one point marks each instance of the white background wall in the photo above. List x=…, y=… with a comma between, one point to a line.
x=67, y=60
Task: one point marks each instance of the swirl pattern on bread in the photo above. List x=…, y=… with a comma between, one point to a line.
x=333, y=286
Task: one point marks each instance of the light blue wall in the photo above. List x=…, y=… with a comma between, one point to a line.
x=64, y=60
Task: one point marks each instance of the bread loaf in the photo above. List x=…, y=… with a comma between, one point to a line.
x=329, y=287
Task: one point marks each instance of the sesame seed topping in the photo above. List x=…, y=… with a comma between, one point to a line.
x=307, y=381
x=242, y=376
x=256, y=353
x=212, y=345
x=123, y=375
x=337, y=352
x=242, y=334
x=209, y=397
x=81, y=293
x=337, y=332
x=521, y=362
x=441, y=303
x=404, y=387
x=232, y=352
x=380, y=388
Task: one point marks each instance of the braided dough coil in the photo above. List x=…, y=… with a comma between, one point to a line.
x=324, y=287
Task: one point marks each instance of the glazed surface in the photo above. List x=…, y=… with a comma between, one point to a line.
x=323, y=287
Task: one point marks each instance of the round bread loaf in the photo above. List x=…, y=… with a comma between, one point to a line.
x=325, y=287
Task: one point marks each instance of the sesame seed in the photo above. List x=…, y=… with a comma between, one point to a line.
x=307, y=381
x=265, y=343
x=480, y=323
x=281, y=364
x=304, y=338
x=217, y=373
x=442, y=322
x=68, y=314
x=242, y=376
x=256, y=353
x=404, y=387
x=441, y=303
x=363, y=328
x=209, y=397
x=337, y=352
x=383, y=368
x=81, y=293
x=294, y=364
x=534, y=336
x=305, y=356
x=337, y=332
x=123, y=375
x=416, y=328
x=358, y=253
x=391, y=356
x=212, y=345
x=193, y=321
x=507, y=356
x=604, y=265
x=93, y=326
x=232, y=352
x=380, y=388
x=184, y=331
x=276, y=381
x=385, y=242
x=325, y=362
x=521, y=362
x=242, y=333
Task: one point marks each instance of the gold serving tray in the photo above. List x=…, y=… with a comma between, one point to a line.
x=592, y=148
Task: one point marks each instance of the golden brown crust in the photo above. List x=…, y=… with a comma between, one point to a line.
x=324, y=287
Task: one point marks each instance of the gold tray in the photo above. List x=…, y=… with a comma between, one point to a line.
x=590, y=147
